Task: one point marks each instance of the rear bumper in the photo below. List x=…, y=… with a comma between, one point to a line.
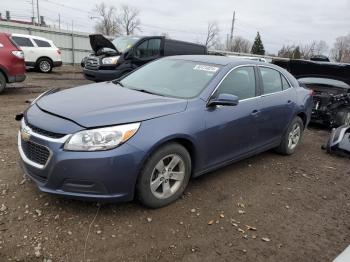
x=16, y=78
x=102, y=75
x=57, y=63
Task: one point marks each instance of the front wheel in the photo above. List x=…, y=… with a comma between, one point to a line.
x=165, y=176
x=292, y=137
x=2, y=82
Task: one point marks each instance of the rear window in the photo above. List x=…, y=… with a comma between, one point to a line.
x=22, y=41
x=41, y=43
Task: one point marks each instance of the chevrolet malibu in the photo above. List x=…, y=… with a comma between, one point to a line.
x=148, y=133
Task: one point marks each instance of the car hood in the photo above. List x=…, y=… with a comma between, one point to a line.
x=106, y=104
x=303, y=68
x=98, y=42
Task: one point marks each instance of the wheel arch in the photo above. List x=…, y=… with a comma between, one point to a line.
x=303, y=117
x=184, y=141
x=44, y=57
x=3, y=71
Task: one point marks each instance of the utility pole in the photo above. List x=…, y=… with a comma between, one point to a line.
x=59, y=21
x=37, y=10
x=232, y=27
x=33, y=13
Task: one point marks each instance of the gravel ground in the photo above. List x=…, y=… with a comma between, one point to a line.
x=265, y=208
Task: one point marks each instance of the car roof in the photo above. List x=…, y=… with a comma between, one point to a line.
x=218, y=60
x=32, y=36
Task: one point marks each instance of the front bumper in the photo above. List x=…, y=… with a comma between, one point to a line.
x=105, y=175
x=102, y=75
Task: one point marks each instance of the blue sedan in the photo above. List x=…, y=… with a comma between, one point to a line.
x=149, y=132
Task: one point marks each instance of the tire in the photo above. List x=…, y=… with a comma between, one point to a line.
x=342, y=118
x=2, y=82
x=157, y=170
x=292, y=137
x=44, y=65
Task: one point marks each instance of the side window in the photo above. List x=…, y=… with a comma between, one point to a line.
x=148, y=49
x=271, y=80
x=240, y=82
x=41, y=43
x=285, y=84
x=22, y=41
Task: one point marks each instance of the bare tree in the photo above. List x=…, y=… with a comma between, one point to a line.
x=212, y=34
x=341, y=50
x=128, y=19
x=107, y=20
x=287, y=51
x=321, y=48
x=240, y=45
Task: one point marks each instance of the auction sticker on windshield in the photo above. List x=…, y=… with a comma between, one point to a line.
x=206, y=68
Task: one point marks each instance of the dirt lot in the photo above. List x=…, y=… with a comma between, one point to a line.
x=300, y=206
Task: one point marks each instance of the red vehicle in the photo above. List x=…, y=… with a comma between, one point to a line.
x=12, y=67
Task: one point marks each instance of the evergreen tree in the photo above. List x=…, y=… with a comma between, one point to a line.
x=297, y=53
x=258, y=47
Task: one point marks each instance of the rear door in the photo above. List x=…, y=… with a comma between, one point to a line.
x=277, y=105
x=45, y=48
x=28, y=48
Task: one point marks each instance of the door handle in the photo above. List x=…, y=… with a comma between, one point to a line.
x=255, y=112
x=289, y=101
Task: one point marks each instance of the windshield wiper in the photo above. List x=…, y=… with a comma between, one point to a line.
x=117, y=82
x=146, y=91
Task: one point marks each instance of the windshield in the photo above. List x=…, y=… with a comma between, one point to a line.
x=172, y=77
x=323, y=81
x=122, y=43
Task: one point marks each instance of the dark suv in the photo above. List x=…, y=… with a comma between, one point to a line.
x=12, y=67
x=113, y=59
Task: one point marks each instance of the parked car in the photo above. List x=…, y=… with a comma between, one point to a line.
x=39, y=53
x=12, y=68
x=113, y=59
x=150, y=131
x=330, y=83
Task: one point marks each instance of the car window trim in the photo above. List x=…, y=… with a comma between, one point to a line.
x=236, y=67
x=262, y=85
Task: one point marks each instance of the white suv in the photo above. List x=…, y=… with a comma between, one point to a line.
x=39, y=52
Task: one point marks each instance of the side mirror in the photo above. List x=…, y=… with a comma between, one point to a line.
x=224, y=100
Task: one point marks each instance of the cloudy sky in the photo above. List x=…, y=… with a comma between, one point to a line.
x=279, y=22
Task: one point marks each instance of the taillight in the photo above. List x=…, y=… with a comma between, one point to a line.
x=18, y=54
x=58, y=51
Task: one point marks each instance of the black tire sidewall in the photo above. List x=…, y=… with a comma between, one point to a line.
x=283, y=148
x=2, y=82
x=42, y=60
x=143, y=190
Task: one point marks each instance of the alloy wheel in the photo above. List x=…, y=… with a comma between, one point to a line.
x=45, y=66
x=167, y=176
x=294, y=136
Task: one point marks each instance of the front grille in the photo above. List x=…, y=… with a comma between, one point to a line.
x=44, y=132
x=35, y=152
x=92, y=63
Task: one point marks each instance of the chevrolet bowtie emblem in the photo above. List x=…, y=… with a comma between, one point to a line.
x=25, y=134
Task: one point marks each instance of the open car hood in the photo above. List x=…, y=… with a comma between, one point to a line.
x=98, y=41
x=305, y=68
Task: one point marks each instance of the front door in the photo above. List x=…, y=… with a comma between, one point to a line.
x=230, y=130
x=146, y=51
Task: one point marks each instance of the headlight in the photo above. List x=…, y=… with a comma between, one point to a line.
x=112, y=60
x=101, y=138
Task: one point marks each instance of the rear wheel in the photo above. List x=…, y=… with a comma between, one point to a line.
x=44, y=65
x=292, y=137
x=165, y=176
x=2, y=82
x=343, y=118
